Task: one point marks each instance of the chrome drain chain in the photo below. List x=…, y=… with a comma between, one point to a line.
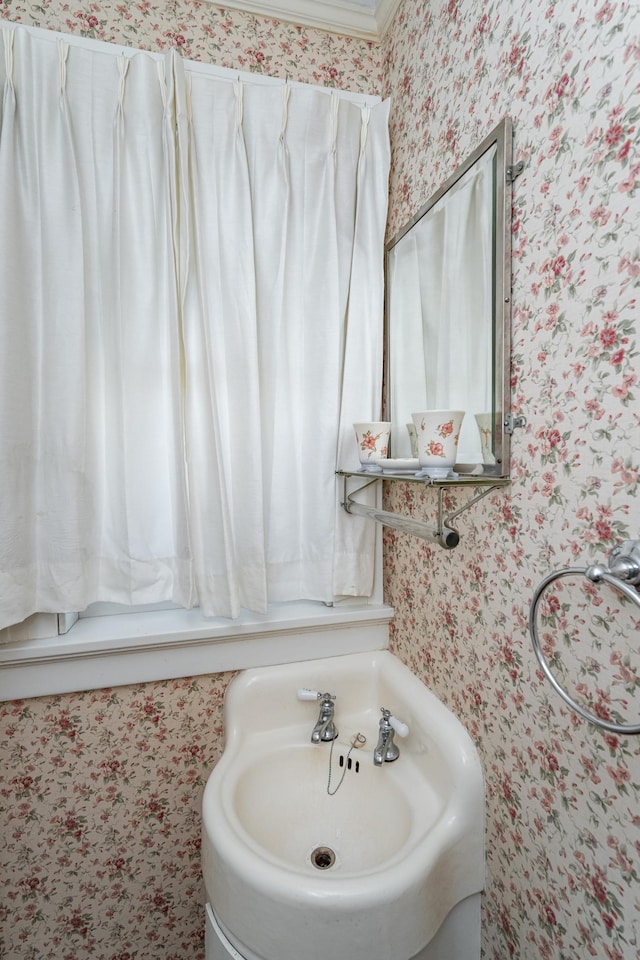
x=357, y=741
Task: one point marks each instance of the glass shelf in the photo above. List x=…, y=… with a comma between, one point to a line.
x=442, y=533
x=462, y=480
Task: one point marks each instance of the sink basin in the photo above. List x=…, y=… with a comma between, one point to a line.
x=368, y=869
x=296, y=815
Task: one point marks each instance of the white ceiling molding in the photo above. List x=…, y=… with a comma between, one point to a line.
x=367, y=19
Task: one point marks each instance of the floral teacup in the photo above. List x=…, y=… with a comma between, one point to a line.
x=485, y=428
x=373, y=444
x=437, y=432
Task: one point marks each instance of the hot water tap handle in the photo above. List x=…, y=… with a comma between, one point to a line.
x=325, y=728
x=305, y=694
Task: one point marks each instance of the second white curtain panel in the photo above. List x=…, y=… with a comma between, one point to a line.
x=273, y=321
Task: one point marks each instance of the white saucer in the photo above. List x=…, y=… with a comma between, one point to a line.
x=399, y=466
x=469, y=469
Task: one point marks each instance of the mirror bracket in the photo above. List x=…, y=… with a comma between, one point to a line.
x=511, y=422
x=514, y=170
x=442, y=533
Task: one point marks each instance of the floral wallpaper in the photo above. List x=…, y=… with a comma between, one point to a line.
x=100, y=791
x=202, y=31
x=563, y=831
x=100, y=817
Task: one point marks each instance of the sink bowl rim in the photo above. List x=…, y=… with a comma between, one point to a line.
x=415, y=845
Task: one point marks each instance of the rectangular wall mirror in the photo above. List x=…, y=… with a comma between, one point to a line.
x=448, y=316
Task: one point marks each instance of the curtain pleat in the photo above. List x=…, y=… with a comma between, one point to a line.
x=190, y=320
x=222, y=417
x=362, y=337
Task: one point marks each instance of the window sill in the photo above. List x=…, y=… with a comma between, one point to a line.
x=143, y=647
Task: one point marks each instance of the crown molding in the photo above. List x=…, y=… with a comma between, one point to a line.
x=366, y=20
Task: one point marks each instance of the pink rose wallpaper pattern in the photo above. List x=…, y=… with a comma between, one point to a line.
x=100, y=792
x=100, y=799
x=203, y=31
x=563, y=832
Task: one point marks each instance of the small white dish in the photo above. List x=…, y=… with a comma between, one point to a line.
x=469, y=469
x=398, y=466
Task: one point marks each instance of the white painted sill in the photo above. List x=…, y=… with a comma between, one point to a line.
x=131, y=648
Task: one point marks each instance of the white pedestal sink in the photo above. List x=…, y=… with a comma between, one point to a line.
x=374, y=871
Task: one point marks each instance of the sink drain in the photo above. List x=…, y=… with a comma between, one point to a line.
x=323, y=858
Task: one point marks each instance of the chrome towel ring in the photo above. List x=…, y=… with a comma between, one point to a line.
x=623, y=574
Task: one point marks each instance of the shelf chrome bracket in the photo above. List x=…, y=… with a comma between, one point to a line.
x=513, y=422
x=443, y=533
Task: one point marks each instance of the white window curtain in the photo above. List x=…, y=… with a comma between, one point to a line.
x=190, y=320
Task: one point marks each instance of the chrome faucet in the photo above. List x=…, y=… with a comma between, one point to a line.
x=386, y=750
x=325, y=729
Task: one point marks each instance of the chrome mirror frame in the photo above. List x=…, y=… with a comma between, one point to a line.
x=502, y=421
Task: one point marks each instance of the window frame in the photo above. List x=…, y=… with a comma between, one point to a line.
x=98, y=652
x=123, y=649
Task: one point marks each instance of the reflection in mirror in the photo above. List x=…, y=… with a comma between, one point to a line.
x=447, y=309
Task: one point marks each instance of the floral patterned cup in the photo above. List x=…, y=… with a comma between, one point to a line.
x=413, y=439
x=485, y=429
x=438, y=432
x=373, y=444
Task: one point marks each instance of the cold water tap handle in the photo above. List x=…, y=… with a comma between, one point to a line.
x=397, y=725
x=400, y=728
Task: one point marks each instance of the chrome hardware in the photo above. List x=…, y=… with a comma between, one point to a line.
x=443, y=534
x=386, y=750
x=512, y=422
x=623, y=574
x=325, y=728
x=514, y=170
x=624, y=563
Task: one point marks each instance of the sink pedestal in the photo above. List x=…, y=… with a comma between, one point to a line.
x=457, y=939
